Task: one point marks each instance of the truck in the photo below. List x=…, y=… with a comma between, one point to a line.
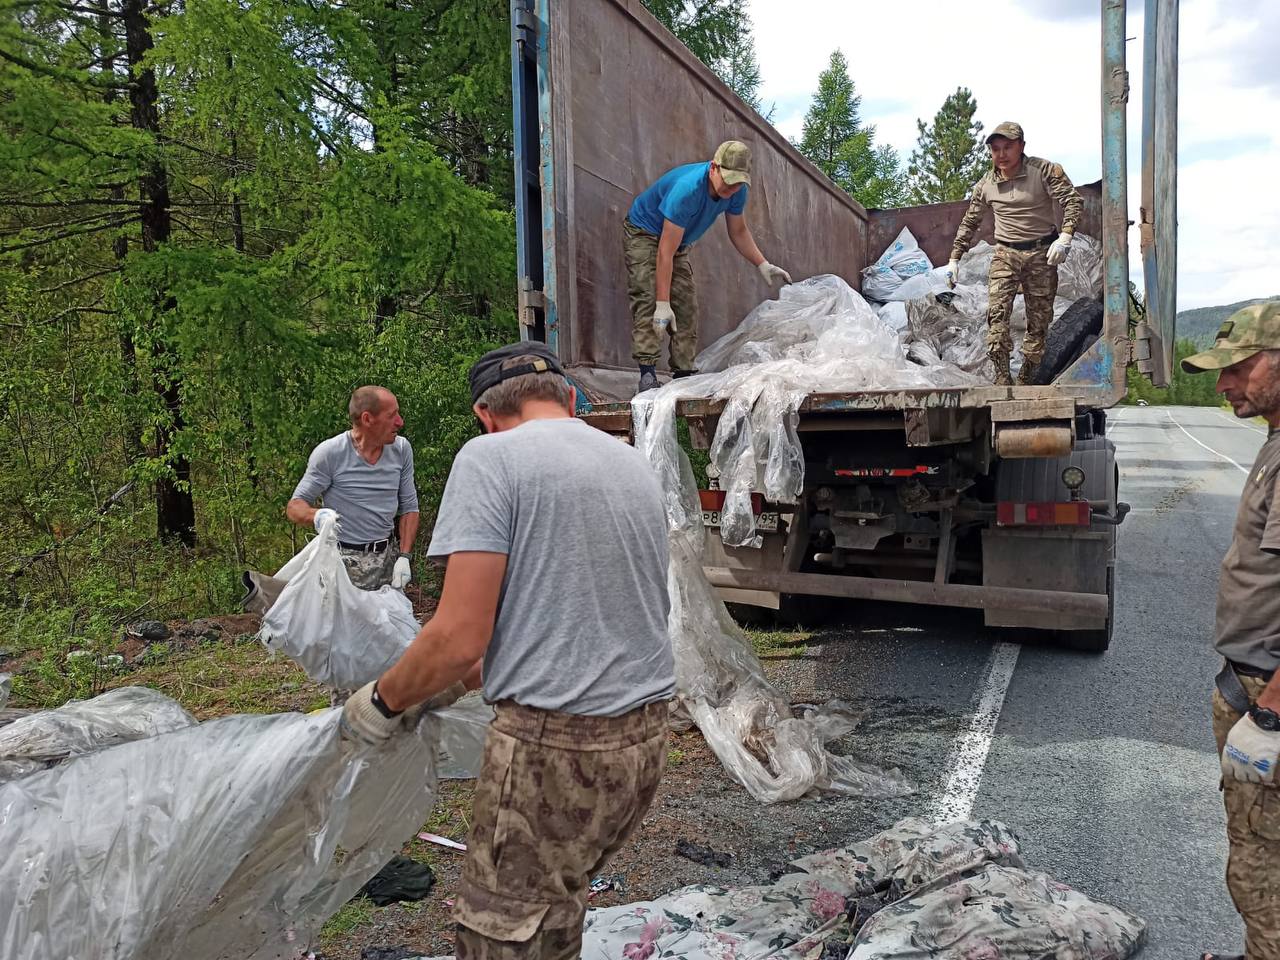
x=998, y=498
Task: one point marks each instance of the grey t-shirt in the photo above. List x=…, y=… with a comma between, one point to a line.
x=367, y=496
x=582, y=617
x=1249, y=591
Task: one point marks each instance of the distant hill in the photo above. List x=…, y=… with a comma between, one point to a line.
x=1202, y=323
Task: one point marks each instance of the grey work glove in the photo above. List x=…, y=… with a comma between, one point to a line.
x=401, y=574
x=1058, y=249
x=1251, y=753
x=324, y=516
x=772, y=274
x=953, y=273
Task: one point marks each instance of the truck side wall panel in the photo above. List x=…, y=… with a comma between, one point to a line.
x=634, y=103
x=934, y=226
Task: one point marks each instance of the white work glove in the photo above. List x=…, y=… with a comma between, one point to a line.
x=324, y=516
x=664, y=316
x=401, y=574
x=1251, y=753
x=1058, y=250
x=772, y=274
x=364, y=722
x=953, y=273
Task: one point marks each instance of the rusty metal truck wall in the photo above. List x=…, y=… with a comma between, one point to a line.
x=934, y=226
x=633, y=102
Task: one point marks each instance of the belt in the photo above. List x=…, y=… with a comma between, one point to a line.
x=374, y=546
x=1044, y=241
x=1232, y=690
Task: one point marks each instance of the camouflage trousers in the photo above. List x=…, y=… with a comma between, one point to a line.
x=369, y=569
x=641, y=251
x=1037, y=278
x=1253, y=839
x=556, y=798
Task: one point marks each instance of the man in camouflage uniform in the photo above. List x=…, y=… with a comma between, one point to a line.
x=1021, y=192
x=557, y=581
x=660, y=228
x=1246, y=703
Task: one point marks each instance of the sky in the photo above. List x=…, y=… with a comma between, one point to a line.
x=1038, y=62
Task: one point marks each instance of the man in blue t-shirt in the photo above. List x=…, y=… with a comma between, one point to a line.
x=663, y=223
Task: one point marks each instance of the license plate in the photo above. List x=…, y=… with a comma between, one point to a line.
x=766, y=522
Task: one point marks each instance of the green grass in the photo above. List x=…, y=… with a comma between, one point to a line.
x=675, y=757
x=779, y=644
x=353, y=915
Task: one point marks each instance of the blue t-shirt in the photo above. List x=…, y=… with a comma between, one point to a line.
x=683, y=196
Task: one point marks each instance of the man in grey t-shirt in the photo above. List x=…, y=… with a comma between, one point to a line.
x=556, y=594
x=365, y=476
x=1246, y=705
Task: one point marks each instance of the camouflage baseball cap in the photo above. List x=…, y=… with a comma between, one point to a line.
x=733, y=157
x=1244, y=333
x=1008, y=129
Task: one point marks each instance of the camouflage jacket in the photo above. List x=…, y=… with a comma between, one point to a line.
x=1024, y=205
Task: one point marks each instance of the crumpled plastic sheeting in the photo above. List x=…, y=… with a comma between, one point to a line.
x=339, y=634
x=719, y=680
x=818, y=336
x=6, y=685
x=41, y=740
x=956, y=332
x=235, y=838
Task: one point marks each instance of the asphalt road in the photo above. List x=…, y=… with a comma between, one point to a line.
x=1104, y=764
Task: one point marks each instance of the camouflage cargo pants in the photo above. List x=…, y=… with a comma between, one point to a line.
x=557, y=796
x=641, y=251
x=1037, y=278
x=370, y=570
x=1253, y=839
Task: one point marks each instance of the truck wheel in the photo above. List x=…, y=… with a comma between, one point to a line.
x=1094, y=641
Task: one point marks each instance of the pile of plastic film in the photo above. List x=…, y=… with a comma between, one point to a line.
x=938, y=324
x=720, y=682
x=237, y=837
x=819, y=336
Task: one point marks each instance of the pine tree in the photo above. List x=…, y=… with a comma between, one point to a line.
x=740, y=69
x=706, y=27
x=836, y=141
x=950, y=157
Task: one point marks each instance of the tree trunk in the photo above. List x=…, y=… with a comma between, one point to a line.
x=120, y=251
x=175, y=508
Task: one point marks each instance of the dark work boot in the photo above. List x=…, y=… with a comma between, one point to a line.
x=1000, y=360
x=648, y=379
x=677, y=374
x=1027, y=374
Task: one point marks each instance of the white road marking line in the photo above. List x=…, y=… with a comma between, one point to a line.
x=1236, y=421
x=969, y=756
x=1223, y=456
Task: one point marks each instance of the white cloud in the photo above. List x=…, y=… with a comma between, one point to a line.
x=1038, y=62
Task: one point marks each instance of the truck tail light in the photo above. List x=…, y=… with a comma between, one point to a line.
x=1072, y=514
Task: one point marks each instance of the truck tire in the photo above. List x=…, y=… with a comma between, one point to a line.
x=1094, y=641
x=1066, y=339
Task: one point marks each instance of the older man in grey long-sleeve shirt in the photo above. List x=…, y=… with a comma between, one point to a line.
x=365, y=476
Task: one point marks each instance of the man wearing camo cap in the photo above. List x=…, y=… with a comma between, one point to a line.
x=1246, y=703
x=663, y=223
x=1023, y=194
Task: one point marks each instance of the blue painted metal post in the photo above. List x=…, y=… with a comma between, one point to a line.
x=1159, y=218
x=534, y=163
x=1115, y=201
